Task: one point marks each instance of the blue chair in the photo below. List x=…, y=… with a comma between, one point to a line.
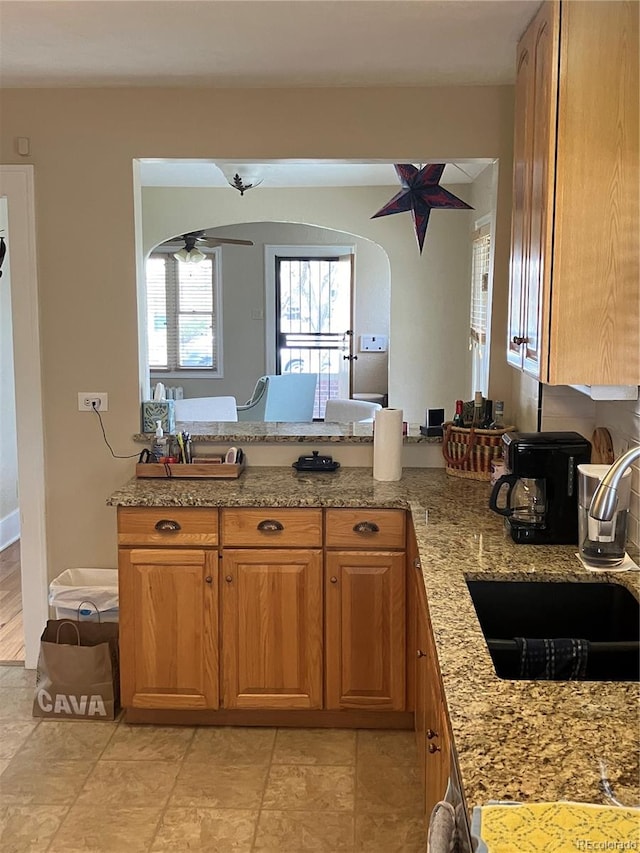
x=289, y=397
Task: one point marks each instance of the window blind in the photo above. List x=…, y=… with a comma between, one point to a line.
x=181, y=314
x=480, y=285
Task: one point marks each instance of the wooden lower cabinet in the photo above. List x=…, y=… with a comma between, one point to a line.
x=431, y=721
x=365, y=630
x=272, y=618
x=169, y=628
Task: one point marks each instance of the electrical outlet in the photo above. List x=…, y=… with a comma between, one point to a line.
x=87, y=399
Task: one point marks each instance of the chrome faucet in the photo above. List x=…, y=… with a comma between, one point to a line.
x=605, y=498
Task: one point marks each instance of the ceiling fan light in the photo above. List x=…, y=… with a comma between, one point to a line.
x=195, y=256
x=190, y=256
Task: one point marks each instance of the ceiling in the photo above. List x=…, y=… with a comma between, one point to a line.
x=309, y=173
x=259, y=43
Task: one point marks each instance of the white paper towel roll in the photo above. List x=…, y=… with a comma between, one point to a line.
x=387, y=445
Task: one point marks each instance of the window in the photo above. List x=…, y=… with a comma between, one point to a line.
x=183, y=314
x=480, y=301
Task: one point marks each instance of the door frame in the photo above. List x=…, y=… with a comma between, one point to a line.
x=17, y=186
x=270, y=253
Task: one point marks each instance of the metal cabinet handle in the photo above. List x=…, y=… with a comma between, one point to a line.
x=366, y=527
x=421, y=654
x=518, y=341
x=433, y=748
x=229, y=579
x=208, y=579
x=333, y=579
x=431, y=734
x=166, y=524
x=416, y=563
x=270, y=524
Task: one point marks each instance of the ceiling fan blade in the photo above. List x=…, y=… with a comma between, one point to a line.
x=216, y=241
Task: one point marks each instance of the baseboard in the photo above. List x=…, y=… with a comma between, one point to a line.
x=9, y=529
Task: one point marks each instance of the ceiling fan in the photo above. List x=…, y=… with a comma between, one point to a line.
x=191, y=254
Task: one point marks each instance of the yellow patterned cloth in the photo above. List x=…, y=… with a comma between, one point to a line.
x=557, y=828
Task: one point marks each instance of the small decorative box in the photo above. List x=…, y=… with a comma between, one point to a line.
x=159, y=410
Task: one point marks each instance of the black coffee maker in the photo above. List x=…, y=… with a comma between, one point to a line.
x=541, y=486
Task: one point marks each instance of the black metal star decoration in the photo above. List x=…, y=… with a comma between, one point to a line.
x=420, y=193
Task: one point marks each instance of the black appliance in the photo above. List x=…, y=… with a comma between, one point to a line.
x=550, y=460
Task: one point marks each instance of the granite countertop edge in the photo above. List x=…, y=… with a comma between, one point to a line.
x=514, y=740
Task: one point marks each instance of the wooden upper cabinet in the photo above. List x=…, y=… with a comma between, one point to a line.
x=168, y=628
x=574, y=315
x=272, y=628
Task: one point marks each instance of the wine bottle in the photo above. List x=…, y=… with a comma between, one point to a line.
x=498, y=418
x=458, y=420
x=487, y=414
x=477, y=410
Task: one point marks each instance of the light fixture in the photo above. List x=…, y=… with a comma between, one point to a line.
x=190, y=254
x=242, y=177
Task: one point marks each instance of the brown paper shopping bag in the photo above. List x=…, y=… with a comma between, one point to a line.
x=78, y=672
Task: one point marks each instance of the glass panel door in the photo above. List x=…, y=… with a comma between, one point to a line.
x=313, y=320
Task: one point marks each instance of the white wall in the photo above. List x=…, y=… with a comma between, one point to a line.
x=564, y=408
x=9, y=522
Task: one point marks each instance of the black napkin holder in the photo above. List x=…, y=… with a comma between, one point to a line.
x=315, y=462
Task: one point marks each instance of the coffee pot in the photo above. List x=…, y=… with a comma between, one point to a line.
x=526, y=500
x=541, y=501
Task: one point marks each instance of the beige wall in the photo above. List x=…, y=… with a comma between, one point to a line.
x=8, y=448
x=83, y=143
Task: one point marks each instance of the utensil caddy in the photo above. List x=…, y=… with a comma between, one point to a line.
x=194, y=471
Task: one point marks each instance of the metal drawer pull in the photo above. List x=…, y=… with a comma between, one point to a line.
x=421, y=654
x=433, y=748
x=366, y=527
x=518, y=341
x=431, y=734
x=208, y=579
x=270, y=524
x=167, y=524
x=417, y=564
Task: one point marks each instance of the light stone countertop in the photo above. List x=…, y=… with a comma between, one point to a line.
x=277, y=432
x=515, y=740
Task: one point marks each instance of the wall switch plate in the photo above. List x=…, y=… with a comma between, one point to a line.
x=86, y=399
x=373, y=343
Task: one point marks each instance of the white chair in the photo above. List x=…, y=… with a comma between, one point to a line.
x=350, y=411
x=206, y=409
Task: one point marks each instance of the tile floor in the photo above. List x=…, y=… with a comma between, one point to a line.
x=67, y=787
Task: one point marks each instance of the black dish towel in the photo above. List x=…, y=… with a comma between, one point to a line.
x=559, y=659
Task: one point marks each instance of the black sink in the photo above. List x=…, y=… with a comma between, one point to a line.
x=605, y=614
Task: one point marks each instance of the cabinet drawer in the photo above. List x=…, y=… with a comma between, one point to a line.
x=272, y=527
x=365, y=528
x=167, y=526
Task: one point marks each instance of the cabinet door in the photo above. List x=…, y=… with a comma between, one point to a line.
x=272, y=628
x=168, y=628
x=533, y=191
x=521, y=203
x=365, y=630
x=431, y=725
x=544, y=45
